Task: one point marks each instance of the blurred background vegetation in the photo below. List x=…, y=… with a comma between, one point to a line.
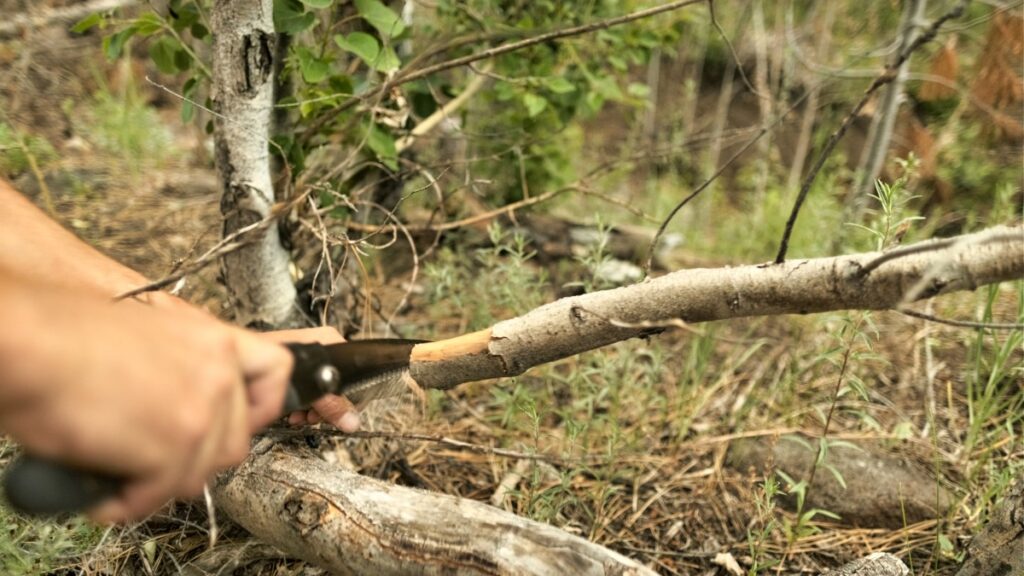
x=543, y=172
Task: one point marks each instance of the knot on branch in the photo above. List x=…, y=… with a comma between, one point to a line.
x=303, y=512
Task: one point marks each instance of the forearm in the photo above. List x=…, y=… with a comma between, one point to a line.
x=34, y=246
x=26, y=348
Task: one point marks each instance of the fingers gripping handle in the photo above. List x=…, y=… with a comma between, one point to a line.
x=39, y=487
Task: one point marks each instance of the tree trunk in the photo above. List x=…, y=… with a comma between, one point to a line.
x=885, y=116
x=257, y=276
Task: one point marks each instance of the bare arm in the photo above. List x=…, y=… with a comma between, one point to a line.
x=35, y=247
x=159, y=396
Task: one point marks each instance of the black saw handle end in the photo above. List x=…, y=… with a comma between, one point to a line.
x=38, y=487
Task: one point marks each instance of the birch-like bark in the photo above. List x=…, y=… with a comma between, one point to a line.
x=885, y=117
x=257, y=276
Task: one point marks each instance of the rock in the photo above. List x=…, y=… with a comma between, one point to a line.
x=882, y=490
x=877, y=564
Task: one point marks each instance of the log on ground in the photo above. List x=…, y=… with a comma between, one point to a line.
x=351, y=524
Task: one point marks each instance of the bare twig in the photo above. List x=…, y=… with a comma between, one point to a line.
x=416, y=437
x=886, y=77
x=997, y=236
x=732, y=50
x=227, y=245
x=746, y=146
x=961, y=323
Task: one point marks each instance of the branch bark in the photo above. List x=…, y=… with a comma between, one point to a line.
x=572, y=325
x=257, y=276
x=48, y=16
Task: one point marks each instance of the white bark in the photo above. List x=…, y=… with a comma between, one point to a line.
x=351, y=524
x=257, y=276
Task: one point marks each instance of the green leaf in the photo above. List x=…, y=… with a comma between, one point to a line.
x=290, y=17
x=534, y=104
x=638, y=90
x=380, y=17
x=113, y=45
x=318, y=4
x=383, y=145
x=199, y=32
x=188, y=109
x=313, y=69
x=607, y=87
x=148, y=24
x=368, y=49
x=85, y=24
x=163, y=51
x=388, y=60
x=559, y=85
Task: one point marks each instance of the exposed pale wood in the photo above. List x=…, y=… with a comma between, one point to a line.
x=452, y=348
x=351, y=524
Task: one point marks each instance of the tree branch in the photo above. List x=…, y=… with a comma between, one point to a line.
x=573, y=325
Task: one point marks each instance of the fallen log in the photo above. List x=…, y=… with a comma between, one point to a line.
x=351, y=524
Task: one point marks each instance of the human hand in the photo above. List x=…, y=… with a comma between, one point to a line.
x=336, y=410
x=160, y=398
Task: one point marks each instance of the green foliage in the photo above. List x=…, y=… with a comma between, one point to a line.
x=995, y=399
x=502, y=287
x=894, y=218
x=125, y=126
x=30, y=547
x=18, y=150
